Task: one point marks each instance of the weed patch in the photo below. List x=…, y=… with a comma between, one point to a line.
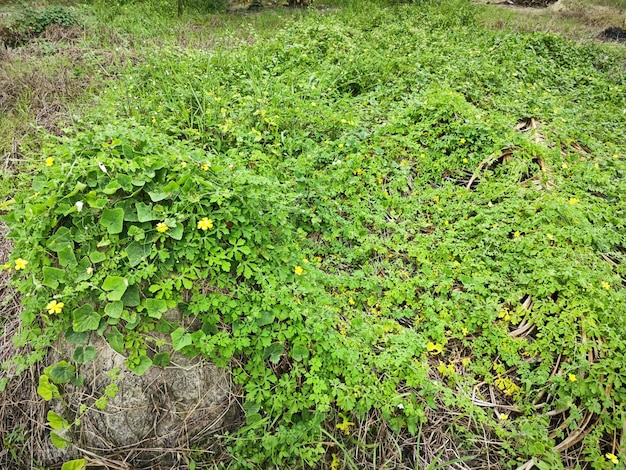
x=399, y=231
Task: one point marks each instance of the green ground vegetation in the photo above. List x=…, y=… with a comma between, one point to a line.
x=382, y=213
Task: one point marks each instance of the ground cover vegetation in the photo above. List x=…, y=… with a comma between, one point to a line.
x=404, y=234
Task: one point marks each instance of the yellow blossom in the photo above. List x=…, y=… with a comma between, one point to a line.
x=605, y=285
x=504, y=416
x=205, y=167
x=463, y=140
x=20, y=264
x=162, y=227
x=612, y=458
x=205, y=224
x=572, y=377
x=49, y=161
x=517, y=234
x=351, y=301
x=465, y=331
x=54, y=307
x=298, y=270
x=574, y=200
x=183, y=164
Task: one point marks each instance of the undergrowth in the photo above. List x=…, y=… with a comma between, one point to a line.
x=376, y=213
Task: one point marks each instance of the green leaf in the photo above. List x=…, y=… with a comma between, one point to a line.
x=137, y=252
x=267, y=318
x=45, y=389
x=112, y=220
x=156, y=307
x=73, y=337
x=58, y=441
x=273, y=352
x=161, y=359
x=82, y=355
x=177, y=231
x=145, y=212
x=57, y=422
x=131, y=296
x=62, y=372
x=78, y=464
x=60, y=239
x=299, y=353
x=97, y=256
x=52, y=277
x=66, y=256
x=114, y=309
x=85, y=318
x=115, y=340
x=115, y=286
x=144, y=364
x=112, y=187
x=95, y=202
x=180, y=339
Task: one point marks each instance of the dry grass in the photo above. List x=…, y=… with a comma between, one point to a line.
x=580, y=20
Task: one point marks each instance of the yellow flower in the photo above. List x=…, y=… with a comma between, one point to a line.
x=574, y=200
x=205, y=224
x=504, y=416
x=572, y=377
x=351, y=301
x=183, y=164
x=49, y=161
x=517, y=234
x=20, y=264
x=298, y=270
x=205, y=167
x=605, y=284
x=612, y=458
x=465, y=331
x=54, y=307
x=162, y=227
x=463, y=140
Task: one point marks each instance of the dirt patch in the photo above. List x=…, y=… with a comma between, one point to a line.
x=531, y=3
